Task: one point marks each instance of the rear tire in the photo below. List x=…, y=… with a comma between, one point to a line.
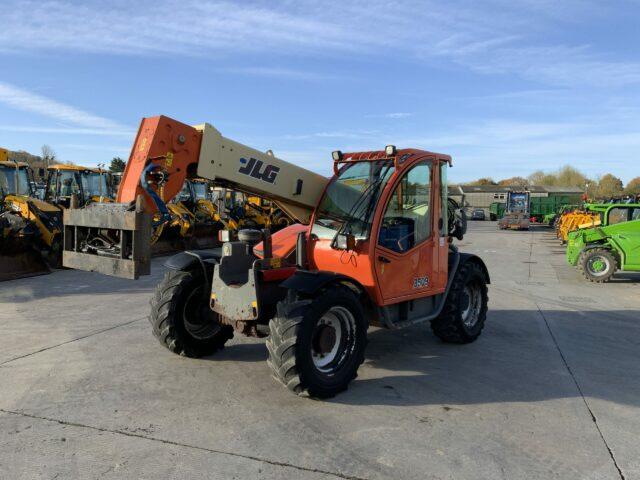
x=465, y=309
x=316, y=345
x=181, y=318
x=598, y=265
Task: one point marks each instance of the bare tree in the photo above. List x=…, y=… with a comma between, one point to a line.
x=484, y=181
x=48, y=155
x=515, y=181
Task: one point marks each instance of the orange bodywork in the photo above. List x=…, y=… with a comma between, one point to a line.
x=165, y=142
x=394, y=281
x=283, y=242
x=386, y=283
x=388, y=276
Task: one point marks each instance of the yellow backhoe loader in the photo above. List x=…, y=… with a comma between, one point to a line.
x=88, y=185
x=30, y=229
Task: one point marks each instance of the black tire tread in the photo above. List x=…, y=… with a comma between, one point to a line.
x=283, y=338
x=163, y=318
x=447, y=326
x=602, y=251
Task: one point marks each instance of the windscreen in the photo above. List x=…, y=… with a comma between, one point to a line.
x=519, y=202
x=350, y=199
x=200, y=190
x=94, y=184
x=10, y=179
x=67, y=184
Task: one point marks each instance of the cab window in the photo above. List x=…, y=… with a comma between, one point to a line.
x=444, y=200
x=618, y=215
x=68, y=184
x=406, y=221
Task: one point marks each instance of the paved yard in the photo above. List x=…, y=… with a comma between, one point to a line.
x=550, y=390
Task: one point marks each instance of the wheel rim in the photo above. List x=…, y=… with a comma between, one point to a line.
x=333, y=339
x=199, y=320
x=598, y=265
x=471, y=305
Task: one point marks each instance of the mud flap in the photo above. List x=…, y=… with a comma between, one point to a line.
x=21, y=265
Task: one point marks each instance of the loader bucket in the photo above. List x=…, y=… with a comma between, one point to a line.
x=108, y=238
x=205, y=236
x=22, y=264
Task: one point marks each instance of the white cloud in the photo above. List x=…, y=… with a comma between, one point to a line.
x=392, y=115
x=497, y=37
x=282, y=73
x=66, y=131
x=353, y=135
x=30, y=102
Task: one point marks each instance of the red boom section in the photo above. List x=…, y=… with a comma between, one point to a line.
x=173, y=146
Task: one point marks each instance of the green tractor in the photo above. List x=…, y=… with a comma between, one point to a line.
x=600, y=251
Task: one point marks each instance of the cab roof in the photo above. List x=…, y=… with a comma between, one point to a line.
x=77, y=168
x=13, y=164
x=399, y=157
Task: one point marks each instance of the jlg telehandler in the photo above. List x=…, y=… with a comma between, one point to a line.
x=373, y=247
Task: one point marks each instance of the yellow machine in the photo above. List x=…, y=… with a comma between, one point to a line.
x=574, y=220
x=174, y=233
x=30, y=229
x=252, y=211
x=267, y=213
x=89, y=185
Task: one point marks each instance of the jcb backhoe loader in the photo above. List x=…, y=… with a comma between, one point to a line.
x=373, y=247
x=30, y=229
x=204, y=220
x=87, y=184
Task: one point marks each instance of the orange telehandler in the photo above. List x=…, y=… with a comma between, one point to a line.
x=373, y=246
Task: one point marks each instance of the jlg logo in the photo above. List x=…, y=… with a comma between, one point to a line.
x=253, y=168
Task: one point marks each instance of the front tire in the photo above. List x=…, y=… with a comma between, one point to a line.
x=465, y=311
x=598, y=265
x=181, y=318
x=316, y=345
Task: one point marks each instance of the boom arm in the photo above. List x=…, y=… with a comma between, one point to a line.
x=166, y=152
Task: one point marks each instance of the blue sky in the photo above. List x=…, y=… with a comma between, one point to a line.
x=504, y=86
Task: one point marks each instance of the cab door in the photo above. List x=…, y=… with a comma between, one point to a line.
x=405, y=253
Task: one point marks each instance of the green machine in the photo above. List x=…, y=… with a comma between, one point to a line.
x=542, y=209
x=613, y=245
x=496, y=210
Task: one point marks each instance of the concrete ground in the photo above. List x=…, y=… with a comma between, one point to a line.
x=550, y=390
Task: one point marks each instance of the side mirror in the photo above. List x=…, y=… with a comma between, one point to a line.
x=344, y=241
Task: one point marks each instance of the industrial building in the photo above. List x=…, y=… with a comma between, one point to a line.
x=482, y=196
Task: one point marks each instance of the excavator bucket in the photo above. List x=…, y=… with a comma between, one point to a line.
x=18, y=256
x=20, y=265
